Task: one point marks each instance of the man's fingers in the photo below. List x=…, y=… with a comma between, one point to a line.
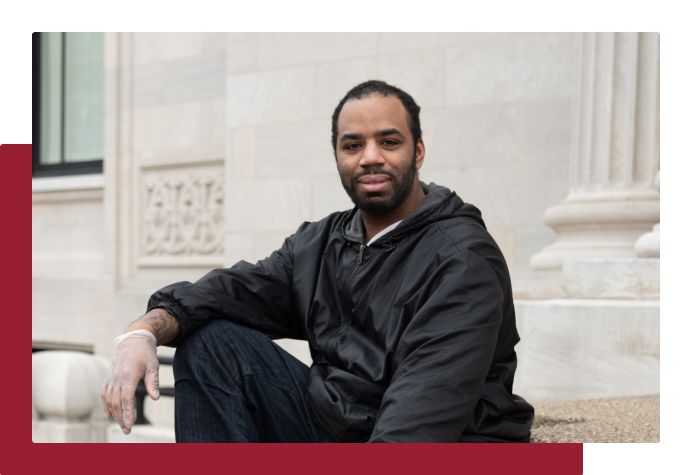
x=109, y=402
x=128, y=413
x=104, y=394
x=128, y=405
x=116, y=407
x=151, y=381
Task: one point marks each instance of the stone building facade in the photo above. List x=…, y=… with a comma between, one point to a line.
x=217, y=147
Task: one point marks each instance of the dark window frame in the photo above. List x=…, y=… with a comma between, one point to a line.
x=57, y=169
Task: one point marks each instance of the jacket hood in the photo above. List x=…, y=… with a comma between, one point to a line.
x=440, y=203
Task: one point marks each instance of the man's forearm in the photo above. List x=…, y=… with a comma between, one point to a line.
x=164, y=326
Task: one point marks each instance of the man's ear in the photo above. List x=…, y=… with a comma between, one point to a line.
x=420, y=153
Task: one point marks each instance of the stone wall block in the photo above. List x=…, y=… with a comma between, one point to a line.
x=543, y=130
x=448, y=177
x=278, y=50
x=170, y=127
x=334, y=80
x=147, y=85
x=71, y=309
x=155, y=47
x=186, y=129
x=266, y=243
x=294, y=150
x=240, y=154
x=460, y=137
x=518, y=69
x=403, y=42
x=328, y=196
x=269, y=97
x=193, y=79
x=269, y=205
x=238, y=247
x=420, y=74
x=242, y=53
x=509, y=195
x=67, y=233
x=214, y=42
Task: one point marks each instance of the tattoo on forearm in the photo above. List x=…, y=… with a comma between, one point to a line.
x=165, y=325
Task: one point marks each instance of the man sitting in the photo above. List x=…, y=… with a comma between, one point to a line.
x=405, y=301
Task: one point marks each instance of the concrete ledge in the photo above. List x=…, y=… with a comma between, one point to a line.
x=584, y=349
x=141, y=434
x=634, y=279
x=60, y=432
x=537, y=285
x=70, y=182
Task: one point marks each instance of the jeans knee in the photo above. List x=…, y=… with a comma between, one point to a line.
x=218, y=336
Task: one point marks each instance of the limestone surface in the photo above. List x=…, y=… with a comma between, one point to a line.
x=633, y=279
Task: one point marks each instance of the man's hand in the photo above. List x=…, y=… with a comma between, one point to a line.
x=135, y=358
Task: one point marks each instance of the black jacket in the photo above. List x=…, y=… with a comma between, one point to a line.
x=412, y=338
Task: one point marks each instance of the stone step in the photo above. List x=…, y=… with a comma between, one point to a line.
x=141, y=434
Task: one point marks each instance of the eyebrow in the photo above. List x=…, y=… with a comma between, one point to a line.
x=379, y=133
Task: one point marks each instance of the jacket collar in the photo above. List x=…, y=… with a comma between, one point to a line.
x=435, y=198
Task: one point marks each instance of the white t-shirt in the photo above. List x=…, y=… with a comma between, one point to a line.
x=383, y=232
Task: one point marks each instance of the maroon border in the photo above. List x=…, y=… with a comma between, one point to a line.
x=19, y=456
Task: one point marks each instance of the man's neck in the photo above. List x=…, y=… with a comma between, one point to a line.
x=376, y=223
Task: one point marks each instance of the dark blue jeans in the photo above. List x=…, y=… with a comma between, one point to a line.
x=233, y=384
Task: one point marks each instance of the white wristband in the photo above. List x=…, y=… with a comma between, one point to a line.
x=146, y=333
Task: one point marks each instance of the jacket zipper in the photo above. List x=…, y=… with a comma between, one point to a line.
x=346, y=312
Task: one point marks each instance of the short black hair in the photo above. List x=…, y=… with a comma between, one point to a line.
x=381, y=88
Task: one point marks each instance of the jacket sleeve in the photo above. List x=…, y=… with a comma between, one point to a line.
x=257, y=296
x=444, y=354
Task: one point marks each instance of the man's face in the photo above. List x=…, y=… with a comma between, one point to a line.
x=375, y=154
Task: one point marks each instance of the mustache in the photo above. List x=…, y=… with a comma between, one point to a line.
x=372, y=171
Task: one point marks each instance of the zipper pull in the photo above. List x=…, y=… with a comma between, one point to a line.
x=360, y=253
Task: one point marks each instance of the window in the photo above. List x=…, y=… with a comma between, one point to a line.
x=68, y=103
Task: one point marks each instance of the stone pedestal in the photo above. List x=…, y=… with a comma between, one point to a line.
x=615, y=151
x=601, y=339
x=629, y=279
x=583, y=349
x=66, y=397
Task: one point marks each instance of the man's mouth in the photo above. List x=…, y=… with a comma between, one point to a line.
x=372, y=183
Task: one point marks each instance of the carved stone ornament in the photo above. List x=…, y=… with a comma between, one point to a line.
x=183, y=215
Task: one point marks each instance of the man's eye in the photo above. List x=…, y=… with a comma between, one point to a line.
x=389, y=142
x=352, y=146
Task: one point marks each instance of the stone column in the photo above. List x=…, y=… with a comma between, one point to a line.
x=615, y=151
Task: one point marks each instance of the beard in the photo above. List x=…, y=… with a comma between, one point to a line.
x=378, y=203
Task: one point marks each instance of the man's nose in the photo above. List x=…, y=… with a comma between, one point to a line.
x=372, y=155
